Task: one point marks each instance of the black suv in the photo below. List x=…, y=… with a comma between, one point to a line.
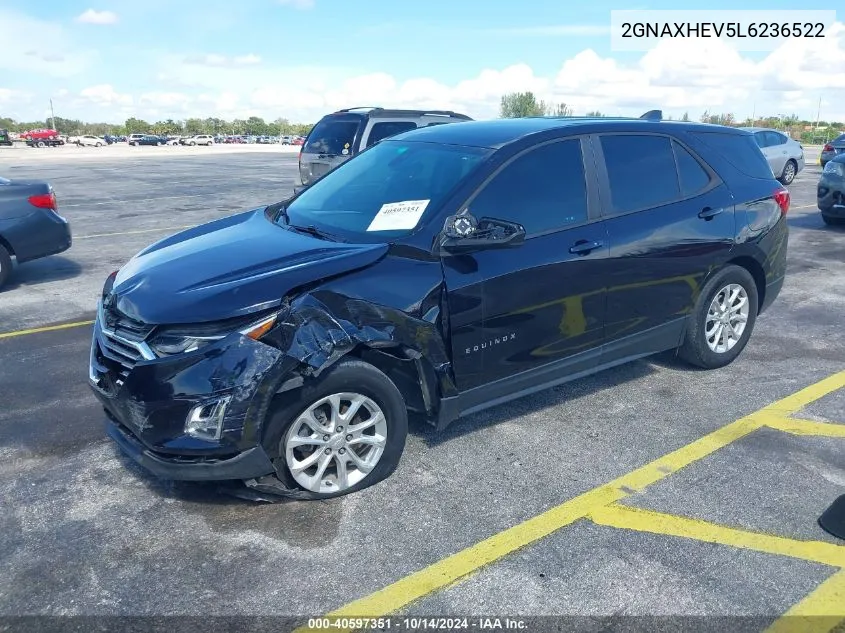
x=437, y=273
x=337, y=137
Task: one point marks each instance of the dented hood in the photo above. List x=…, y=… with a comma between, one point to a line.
x=227, y=268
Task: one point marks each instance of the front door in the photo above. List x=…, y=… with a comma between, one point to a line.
x=523, y=316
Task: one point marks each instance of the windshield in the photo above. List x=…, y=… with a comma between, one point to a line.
x=382, y=193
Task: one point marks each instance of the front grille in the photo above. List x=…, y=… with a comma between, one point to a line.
x=119, y=343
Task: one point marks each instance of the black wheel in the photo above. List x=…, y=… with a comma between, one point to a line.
x=831, y=221
x=340, y=434
x=41, y=144
x=790, y=170
x=98, y=145
x=5, y=265
x=722, y=320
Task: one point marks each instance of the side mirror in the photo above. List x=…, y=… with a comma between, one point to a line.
x=464, y=234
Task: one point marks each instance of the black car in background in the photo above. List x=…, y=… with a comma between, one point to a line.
x=832, y=149
x=151, y=139
x=30, y=224
x=439, y=272
x=5, y=139
x=831, y=191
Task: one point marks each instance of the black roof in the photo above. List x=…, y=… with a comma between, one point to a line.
x=497, y=133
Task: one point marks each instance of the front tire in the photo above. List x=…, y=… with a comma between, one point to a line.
x=5, y=265
x=343, y=433
x=722, y=320
x=790, y=170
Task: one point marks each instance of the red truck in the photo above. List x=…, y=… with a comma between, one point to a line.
x=40, y=135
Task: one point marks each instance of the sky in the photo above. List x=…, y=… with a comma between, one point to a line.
x=299, y=59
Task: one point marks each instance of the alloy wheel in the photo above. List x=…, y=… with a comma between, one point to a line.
x=726, y=318
x=335, y=443
x=789, y=172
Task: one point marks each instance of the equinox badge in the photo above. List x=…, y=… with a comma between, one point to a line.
x=492, y=342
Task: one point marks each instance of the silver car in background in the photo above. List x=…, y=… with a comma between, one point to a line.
x=785, y=155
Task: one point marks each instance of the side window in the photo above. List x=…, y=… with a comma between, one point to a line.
x=382, y=130
x=762, y=139
x=543, y=190
x=773, y=138
x=641, y=171
x=692, y=175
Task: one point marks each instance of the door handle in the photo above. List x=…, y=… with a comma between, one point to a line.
x=584, y=247
x=708, y=213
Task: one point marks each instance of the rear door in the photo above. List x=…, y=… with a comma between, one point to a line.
x=329, y=144
x=778, y=148
x=670, y=220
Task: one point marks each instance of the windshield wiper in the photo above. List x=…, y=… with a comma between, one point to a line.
x=314, y=232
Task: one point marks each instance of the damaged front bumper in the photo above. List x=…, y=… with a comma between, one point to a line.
x=153, y=404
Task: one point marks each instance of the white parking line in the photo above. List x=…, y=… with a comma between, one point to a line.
x=164, y=228
x=89, y=204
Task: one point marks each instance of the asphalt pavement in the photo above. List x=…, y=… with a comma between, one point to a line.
x=85, y=532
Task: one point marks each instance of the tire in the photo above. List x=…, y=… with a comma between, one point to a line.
x=5, y=265
x=41, y=144
x=192, y=143
x=98, y=144
x=831, y=221
x=696, y=349
x=790, y=170
x=159, y=144
x=349, y=378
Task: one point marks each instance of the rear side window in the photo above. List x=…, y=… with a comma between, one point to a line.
x=641, y=171
x=385, y=129
x=739, y=150
x=332, y=135
x=761, y=139
x=692, y=175
x=543, y=190
x=775, y=139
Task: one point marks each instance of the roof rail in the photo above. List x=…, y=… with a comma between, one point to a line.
x=361, y=108
x=653, y=115
x=449, y=113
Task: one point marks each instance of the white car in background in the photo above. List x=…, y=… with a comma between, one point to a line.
x=199, y=139
x=785, y=155
x=87, y=140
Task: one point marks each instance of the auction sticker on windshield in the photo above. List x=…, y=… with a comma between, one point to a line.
x=397, y=216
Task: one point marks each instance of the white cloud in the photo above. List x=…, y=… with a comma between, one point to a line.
x=91, y=16
x=297, y=4
x=676, y=76
x=104, y=95
x=221, y=61
x=52, y=53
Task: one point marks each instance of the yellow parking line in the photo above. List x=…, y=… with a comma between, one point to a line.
x=46, y=328
x=819, y=612
x=796, y=426
x=797, y=401
x=468, y=561
x=628, y=518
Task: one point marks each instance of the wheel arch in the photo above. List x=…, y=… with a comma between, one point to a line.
x=5, y=243
x=757, y=273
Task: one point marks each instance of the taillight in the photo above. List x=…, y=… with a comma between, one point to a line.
x=827, y=147
x=782, y=198
x=44, y=201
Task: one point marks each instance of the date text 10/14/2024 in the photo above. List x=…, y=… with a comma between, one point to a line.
x=416, y=624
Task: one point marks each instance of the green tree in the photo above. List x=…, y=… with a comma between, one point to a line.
x=561, y=109
x=136, y=126
x=521, y=104
x=595, y=113
x=685, y=117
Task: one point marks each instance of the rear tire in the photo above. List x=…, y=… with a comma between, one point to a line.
x=719, y=326
x=357, y=382
x=5, y=265
x=790, y=170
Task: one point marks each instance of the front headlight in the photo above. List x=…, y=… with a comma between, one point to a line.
x=836, y=168
x=183, y=339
